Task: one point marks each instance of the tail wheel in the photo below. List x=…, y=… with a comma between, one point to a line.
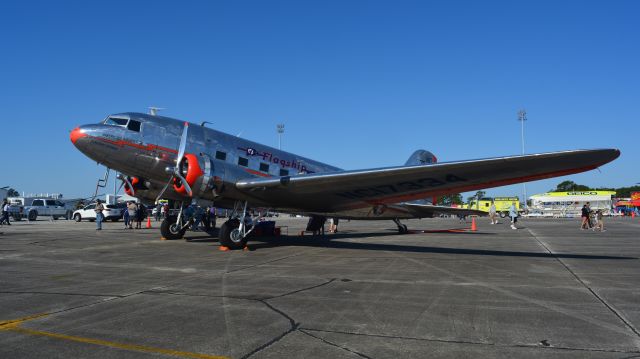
x=190, y=170
x=169, y=228
x=230, y=235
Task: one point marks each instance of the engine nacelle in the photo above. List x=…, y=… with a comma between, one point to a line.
x=201, y=174
x=133, y=184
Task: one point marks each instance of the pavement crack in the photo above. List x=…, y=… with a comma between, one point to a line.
x=301, y=290
x=263, y=263
x=469, y=342
x=293, y=326
x=593, y=292
x=63, y=293
x=335, y=345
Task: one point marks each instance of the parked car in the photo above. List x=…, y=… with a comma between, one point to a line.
x=112, y=212
x=45, y=207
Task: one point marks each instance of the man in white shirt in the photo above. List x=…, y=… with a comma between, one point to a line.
x=5, y=213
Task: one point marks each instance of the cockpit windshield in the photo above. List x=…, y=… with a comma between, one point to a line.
x=116, y=121
x=129, y=124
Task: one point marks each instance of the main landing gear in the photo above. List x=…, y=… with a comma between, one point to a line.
x=402, y=228
x=234, y=232
x=174, y=227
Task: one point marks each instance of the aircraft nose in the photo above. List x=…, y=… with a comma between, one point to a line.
x=76, y=134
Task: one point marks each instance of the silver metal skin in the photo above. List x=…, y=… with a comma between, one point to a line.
x=154, y=153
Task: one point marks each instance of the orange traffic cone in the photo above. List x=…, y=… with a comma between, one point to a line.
x=473, y=224
x=148, y=222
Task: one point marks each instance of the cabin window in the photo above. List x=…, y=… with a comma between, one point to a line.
x=134, y=126
x=284, y=172
x=221, y=155
x=264, y=167
x=37, y=202
x=243, y=161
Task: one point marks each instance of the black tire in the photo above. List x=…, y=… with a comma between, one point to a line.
x=168, y=230
x=226, y=235
x=92, y=219
x=503, y=214
x=55, y=218
x=77, y=217
x=33, y=215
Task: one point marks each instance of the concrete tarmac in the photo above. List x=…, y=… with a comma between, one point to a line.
x=547, y=289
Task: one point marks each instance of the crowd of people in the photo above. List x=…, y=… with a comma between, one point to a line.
x=588, y=217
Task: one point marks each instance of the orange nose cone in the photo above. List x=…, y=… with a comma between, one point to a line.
x=76, y=134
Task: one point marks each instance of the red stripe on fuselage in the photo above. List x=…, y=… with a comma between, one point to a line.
x=254, y=172
x=121, y=143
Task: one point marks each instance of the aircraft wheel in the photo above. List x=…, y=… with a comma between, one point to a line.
x=169, y=228
x=230, y=235
x=403, y=229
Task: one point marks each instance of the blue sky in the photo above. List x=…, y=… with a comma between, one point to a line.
x=358, y=84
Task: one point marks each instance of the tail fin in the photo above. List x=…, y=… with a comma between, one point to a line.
x=421, y=157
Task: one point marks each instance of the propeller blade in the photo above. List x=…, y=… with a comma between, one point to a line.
x=164, y=189
x=183, y=144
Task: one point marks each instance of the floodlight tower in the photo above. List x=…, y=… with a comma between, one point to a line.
x=522, y=116
x=280, y=129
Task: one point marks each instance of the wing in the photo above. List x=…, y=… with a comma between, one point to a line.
x=339, y=191
x=428, y=211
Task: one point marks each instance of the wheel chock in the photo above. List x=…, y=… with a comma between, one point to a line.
x=163, y=239
x=224, y=248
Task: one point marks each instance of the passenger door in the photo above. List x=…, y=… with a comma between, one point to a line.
x=40, y=207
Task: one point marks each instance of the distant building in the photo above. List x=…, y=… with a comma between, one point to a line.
x=569, y=204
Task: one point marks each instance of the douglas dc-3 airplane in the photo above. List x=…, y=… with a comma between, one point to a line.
x=166, y=158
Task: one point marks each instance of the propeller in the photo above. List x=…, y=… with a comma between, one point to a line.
x=176, y=172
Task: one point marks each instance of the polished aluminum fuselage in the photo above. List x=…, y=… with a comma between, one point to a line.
x=147, y=154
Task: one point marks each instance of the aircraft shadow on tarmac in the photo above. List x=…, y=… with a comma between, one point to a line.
x=334, y=241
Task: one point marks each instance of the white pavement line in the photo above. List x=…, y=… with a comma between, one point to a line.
x=591, y=290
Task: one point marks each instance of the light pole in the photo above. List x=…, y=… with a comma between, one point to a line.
x=280, y=129
x=522, y=116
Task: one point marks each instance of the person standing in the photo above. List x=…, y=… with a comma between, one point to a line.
x=5, y=213
x=99, y=216
x=139, y=215
x=131, y=208
x=513, y=213
x=585, y=217
x=600, y=221
x=492, y=213
x=126, y=217
x=589, y=213
x=158, y=211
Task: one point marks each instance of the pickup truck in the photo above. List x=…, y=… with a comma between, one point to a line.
x=46, y=207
